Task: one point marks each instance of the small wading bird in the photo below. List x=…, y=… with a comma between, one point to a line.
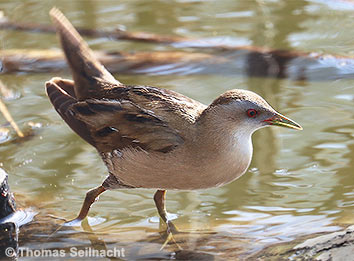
x=155, y=138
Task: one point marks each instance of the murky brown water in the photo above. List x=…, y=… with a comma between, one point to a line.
x=298, y=182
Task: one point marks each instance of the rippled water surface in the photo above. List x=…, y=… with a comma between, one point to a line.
x=299, y=182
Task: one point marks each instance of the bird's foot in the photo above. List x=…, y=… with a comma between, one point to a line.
x=57, y=217
x=77, y=222
x=73, y=223
x=177, y=237
x=171, y=230
x=68, y=223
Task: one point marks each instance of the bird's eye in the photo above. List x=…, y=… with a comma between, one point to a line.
x=251, y=113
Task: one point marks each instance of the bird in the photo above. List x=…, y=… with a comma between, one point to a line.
x=150, y=137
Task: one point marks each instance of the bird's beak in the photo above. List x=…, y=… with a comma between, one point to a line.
x=280, y=120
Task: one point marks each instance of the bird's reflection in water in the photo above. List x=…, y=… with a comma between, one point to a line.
x=150, y=248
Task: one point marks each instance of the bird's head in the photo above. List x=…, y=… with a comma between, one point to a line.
x=245, y=110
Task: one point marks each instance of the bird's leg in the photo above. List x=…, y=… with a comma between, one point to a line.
x=90, y=198
x=159, y=199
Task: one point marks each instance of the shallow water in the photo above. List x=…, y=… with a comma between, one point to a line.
x=298, y=182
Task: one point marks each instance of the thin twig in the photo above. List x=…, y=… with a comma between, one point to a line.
x=4, y=91
x=9, y=118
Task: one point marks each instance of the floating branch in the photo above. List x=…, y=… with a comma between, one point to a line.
x=15, y=60
x=249, y=63
x=249, y=60
x=112, y=34
x=176, y=41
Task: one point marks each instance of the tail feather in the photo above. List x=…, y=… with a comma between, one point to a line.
x=86, y=69
x=62, y=102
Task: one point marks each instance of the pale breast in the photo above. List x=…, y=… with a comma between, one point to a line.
x=181, y=169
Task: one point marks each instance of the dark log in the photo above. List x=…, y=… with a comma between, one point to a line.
x=8, y=241
x=7, y=201
x=8, y=230
x=325, y=246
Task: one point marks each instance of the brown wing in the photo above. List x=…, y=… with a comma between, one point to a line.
x=119, y=124
x=176, y=109
x=112, y=124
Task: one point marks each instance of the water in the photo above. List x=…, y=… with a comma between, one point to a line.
x=298, y=182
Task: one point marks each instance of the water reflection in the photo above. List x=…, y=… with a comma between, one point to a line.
x=298, y=183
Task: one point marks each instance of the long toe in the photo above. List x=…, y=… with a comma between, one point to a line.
x=170, y=240
x=171, y=228
x=73, y=223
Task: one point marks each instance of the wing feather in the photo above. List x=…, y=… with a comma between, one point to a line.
x=111, y=124
x=119, y=124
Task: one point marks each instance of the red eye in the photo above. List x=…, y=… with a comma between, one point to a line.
x=251, y=113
